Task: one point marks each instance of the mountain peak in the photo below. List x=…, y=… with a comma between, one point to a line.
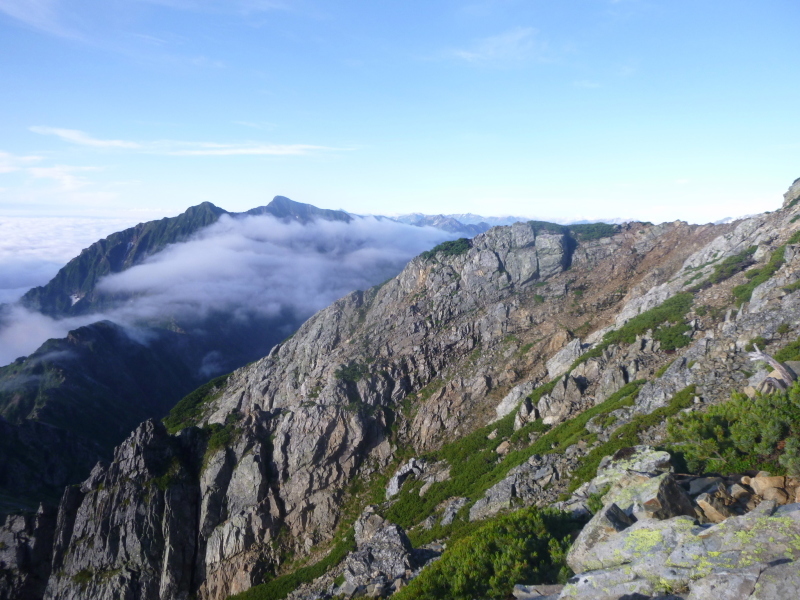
x=289, y=210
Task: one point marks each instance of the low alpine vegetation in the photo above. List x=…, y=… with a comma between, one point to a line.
x=188, y=411
x=742, y=434
x=529, y=545
x=451, y=248
x=665, y=320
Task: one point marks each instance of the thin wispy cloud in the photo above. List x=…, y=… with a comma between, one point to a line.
x=10, y=162
x=79, y=137
x=226, y=6
x=516, y=45
x=43, y=15
x=247, y=150
x=66, y=176
x=180, y=148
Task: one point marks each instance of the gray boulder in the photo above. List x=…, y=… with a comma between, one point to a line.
x=383, y=553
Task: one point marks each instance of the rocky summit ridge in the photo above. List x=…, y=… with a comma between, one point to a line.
x=513, y=371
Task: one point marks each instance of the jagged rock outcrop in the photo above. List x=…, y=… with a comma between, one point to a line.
x=26, y=545
x=646, y=538
x=384, y=554
x=129, y=530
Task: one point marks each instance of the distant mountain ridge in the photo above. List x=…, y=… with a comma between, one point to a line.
x=445, y=222
x=68, y=404
x=72, y=291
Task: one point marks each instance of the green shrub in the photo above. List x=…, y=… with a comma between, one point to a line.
x=789, y=352
x=528, y=546
x=672, y=310
x=170, y=475
x=731, y=266
x=593, y=231
x=627, y=436
x=538, y=299
x=673, y=336
x=450, y=248
x=282, y=586
x=792, y=287
x=221, y=436
x=523, y=433
x=83, y=578
x=783, y=329
x=756, y=341
x=473, y=460
x=470, y=458
x=595, y=501
x=352, y=373
x=546, y=227
x=525, y=349
x=742, y=434
x=743, y=293
x=189, y=410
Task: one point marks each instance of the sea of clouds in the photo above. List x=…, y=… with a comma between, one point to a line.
x=33, y=249
x=240, y=266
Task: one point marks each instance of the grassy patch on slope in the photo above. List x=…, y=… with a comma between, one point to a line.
x=527, y=546
x=665, y=320
x=282, y=586
x=189, y=410
x=474, y=466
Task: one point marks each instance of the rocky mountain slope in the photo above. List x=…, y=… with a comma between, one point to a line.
x=71, y=402
x=487, y=376
x=95, y=386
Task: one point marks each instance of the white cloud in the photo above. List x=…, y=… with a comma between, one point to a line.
x=249, y=150
x=33, y=249
x=256, y=124
x=10, y=162
x=65, y=176
x=516, y=45
x=181, y=148
x=251, y=266
x=79, y=137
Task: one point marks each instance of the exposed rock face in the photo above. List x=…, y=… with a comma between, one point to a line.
x=523, y=484
x=562, y=361
x=512, y=400
x=384, y=553
x=412, y=467
x=26, y=545
x=564, y=400
x=646, y=538
x=120, y=535
x=421, y=360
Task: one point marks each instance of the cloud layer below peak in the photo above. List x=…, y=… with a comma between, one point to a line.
x=246, y=266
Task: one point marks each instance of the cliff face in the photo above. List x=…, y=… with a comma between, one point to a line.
x=403, y=368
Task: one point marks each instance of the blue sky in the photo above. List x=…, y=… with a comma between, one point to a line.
x=656, y=110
